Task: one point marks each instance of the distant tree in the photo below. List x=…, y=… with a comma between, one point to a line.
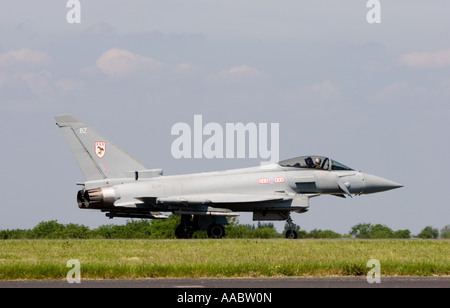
x=369, y=231
x=15, y=234
x=262, y=225
x=76, y=231
x=261, y=230
x=107, y=232
x=401, y=234
x=381, y=231
x=139, y=229
x=361, y=230
x=429, y=232
x=238, y=231
x=316, y=233
x=265, y=230
x=164, y=228
x=47, y=229
x=445, y=232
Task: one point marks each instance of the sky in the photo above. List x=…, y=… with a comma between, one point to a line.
x=373, y=96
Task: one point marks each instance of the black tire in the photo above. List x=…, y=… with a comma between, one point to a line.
x=216, y=231
x=291, y=234
x=183, y=232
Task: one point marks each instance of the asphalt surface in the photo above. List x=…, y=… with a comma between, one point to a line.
x=241, y=283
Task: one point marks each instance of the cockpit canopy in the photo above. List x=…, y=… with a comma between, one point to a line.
x=315, y=162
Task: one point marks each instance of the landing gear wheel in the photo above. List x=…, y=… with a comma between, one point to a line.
x=183, y=231
x=291, y=234
x=186, y=228
x=216, y=231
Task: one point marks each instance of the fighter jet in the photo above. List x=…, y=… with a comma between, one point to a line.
x=120, y=186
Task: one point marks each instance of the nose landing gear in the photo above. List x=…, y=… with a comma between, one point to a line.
x=291, y=233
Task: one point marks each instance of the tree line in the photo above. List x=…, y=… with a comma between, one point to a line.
x=165, y=229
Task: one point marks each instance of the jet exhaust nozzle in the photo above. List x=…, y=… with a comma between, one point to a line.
x=97, y=198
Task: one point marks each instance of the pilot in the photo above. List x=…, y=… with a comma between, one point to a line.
x=317, y=163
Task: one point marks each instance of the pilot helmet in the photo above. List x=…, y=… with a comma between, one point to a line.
x=317, y=160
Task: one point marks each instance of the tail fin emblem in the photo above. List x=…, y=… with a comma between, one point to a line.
x=100, y=148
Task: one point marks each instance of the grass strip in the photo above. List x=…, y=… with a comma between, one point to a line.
x=127, y=259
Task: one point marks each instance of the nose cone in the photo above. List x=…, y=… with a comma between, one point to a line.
x=377, y=184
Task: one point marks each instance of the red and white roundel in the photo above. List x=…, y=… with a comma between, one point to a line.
x=279, y=180
x=263, y=181
x=271, y=180
x=100, y=148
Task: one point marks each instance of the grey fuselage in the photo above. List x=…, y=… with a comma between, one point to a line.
x=271, y=180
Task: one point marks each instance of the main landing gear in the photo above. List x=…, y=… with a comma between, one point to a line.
x=215, y=231
x=186, y=228
x=191, y=223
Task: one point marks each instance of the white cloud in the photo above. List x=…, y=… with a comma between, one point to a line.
x=99, y=29
x=68, y=85
x=400, y=91
x=119, y=62
x=39, y=83
x=375, y=67
x=318, y=92
x=185, y=68
x=326, y=90
x=237, y=75
x=23, y=57
x=243, y=71
x=427, y=59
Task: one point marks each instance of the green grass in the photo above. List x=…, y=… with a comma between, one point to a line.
x=114, y=259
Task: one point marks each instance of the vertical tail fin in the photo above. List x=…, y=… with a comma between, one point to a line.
x=97, y=157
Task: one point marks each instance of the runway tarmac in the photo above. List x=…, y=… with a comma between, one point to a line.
x=241, y=283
